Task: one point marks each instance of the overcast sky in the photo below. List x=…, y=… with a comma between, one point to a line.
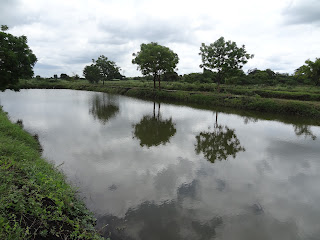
x=66, y=34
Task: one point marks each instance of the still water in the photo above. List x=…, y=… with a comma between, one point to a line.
x=161, y=171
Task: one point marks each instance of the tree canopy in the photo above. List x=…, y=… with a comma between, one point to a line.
x=154, y=59
x=92, y=73
x=108, y=69
x=16, y=59
x=224, y=57
x=310, y=70
x=102, y=69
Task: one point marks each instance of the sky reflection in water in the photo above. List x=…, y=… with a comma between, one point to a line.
x=154, y=171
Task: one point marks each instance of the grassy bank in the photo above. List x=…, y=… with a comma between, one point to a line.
x=280, y=100
x=35, y=200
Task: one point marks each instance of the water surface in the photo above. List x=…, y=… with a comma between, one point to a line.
x=161, y=171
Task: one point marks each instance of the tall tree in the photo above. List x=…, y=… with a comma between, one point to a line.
x=92, y=73
x=154, y=59
x=16, y=59
x=108, y=69
x=310, y=70
x=101, y=69
x=224, y=57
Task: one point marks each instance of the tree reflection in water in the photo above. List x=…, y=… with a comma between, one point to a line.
x=301, y=130
x=219, y=143
x=168, y=220
x=103, y=108
x=153, y=130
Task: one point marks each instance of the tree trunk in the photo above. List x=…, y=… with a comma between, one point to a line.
x=154, y=109
x=219, y=77
x=154, y=81
x=159, y=81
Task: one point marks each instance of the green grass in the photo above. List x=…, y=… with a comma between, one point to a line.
x=35, y=200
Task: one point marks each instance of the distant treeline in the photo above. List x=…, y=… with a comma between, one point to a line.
x=238, y=77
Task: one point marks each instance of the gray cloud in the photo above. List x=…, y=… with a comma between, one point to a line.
x=68, y=34
x=12, y=14
x=149, y=29
x=302, y=12
x=46, y=66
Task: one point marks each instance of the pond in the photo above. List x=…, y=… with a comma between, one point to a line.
x=161, y=171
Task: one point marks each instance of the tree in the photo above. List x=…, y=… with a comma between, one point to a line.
x=108, y=69
x=224, y=57
x=154, y=59
x=92, y=73
x=170, y=77
x=101, y=69
x=310, y=70
x=16, y=59
x=64, y=76
x=4, y=28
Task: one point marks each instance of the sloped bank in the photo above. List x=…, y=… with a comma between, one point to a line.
x=309, y=109
x=35, y=200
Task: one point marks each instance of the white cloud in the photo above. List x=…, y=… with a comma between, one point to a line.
x=66, y=35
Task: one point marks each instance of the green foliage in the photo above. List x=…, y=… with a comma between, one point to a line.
x=92, y=73
x=206, y=77
x=260, y=77
x=38, y=77
x=102, y=69
x=224, y=57
x=16, y=59
x=193, y=77
x=311, y=70
x=35, y=200
x=170, y=77
x=64, y=76
x=4, y=28
x=154, y=59
x=108, y=69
